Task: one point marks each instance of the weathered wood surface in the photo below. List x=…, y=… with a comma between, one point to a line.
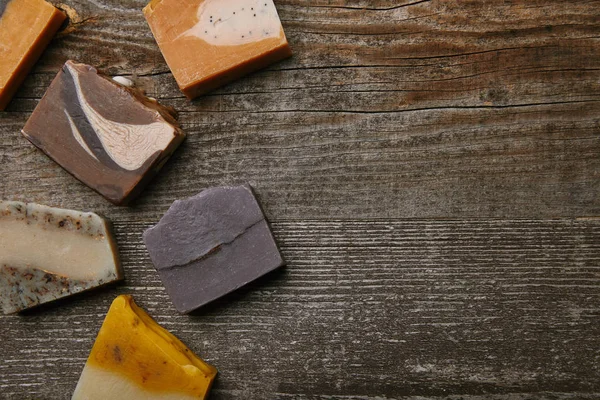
x=396, y=154
x=371, y=308
x=436, y=109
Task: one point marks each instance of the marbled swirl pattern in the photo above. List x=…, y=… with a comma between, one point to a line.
x=109, y=136
x=129, y=145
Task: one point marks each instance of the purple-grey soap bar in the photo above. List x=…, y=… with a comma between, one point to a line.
x=211, y=244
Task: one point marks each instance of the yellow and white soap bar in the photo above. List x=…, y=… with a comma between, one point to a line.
x=134, y=358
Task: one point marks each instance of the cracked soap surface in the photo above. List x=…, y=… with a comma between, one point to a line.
x=135, y=358
x=48, y=253
x=211, y=244
x=26, y=27
x=107, y=135
x=200, y=224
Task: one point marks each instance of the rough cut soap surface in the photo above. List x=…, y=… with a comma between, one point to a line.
x=211, y=244
x=136, y=359
x=26, y=28
x=49, y=253
x=208, y=43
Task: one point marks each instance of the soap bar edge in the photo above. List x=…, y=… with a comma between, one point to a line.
x=245, y=68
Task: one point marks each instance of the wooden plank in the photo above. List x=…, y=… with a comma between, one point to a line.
x=365, y=309
x=427, y=109
x=391, y=112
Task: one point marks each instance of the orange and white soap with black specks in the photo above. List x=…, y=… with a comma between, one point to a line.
x=26, y=28
x=208, y=43
x=134, y=358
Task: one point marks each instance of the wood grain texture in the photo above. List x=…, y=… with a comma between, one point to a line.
x=432, y=172
x=390, y=110
x=365, y=309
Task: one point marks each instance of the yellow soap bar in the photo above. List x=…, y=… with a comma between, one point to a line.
x=135, y=358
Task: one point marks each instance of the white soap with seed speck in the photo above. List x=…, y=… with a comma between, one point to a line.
x=123, y=81
x=235, y=22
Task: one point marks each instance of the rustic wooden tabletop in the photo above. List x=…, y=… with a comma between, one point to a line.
x=431, y=170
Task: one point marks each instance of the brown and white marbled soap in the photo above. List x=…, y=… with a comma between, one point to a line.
x=49, y=253
x=107, y=135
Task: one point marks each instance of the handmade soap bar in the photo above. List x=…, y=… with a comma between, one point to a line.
x=109, y=136
x=26, y=28
x=48, y=253
x=208, y=43
x=134, y=358
x=211, y=244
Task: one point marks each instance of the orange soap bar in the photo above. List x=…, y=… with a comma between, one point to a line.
x=26, y=28
x=208, y=43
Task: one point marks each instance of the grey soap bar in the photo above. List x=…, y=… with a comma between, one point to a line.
x=211, y=244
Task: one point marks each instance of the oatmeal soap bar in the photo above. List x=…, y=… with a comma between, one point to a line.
x=49, y=253
x=208, y=43
x=107, y=135
x=134, y=358
x=26, y=28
